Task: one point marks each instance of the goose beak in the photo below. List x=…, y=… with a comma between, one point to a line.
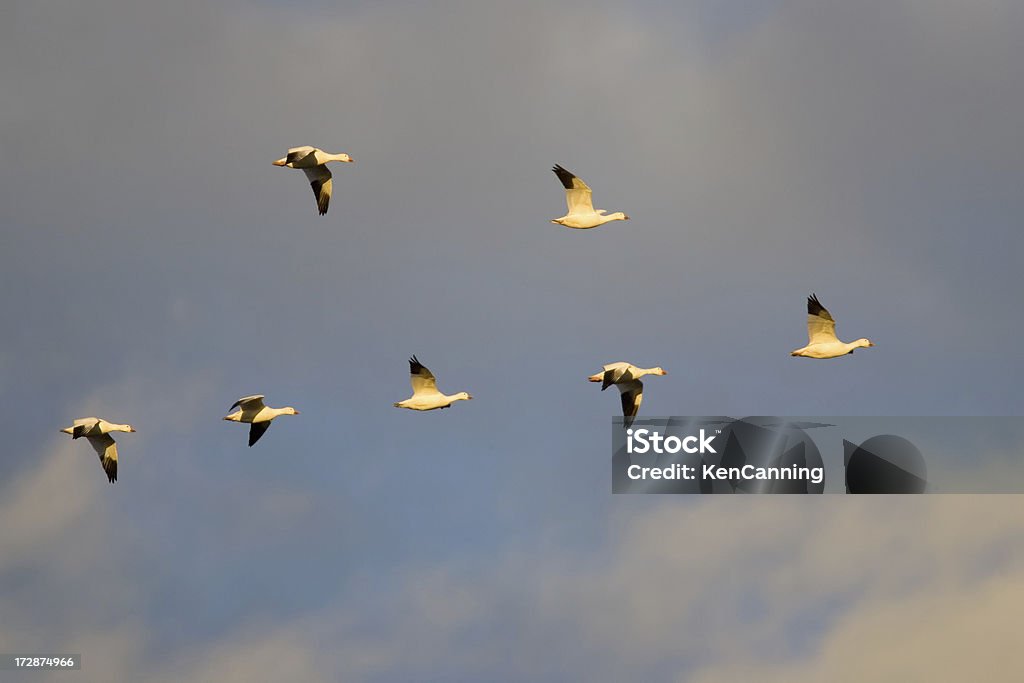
x=132, y=429
x=280, y=162
x=297, y=412
x=225, y=418
x=871, y=343
x=351, y=160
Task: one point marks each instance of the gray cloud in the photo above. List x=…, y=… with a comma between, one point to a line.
x=154, y=263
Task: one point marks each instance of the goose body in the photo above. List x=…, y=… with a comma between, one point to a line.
x=98, y=431
x=626, y=377
x=581, y=213
x=425, y=395
x=313, y=162
x=253, y=411
x=822, y=341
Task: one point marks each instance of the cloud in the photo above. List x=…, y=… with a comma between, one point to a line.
x=789, y=589
x=714, y=590
x=38, y=505
x=273, y=654
x=869, y=149
x=928, y=635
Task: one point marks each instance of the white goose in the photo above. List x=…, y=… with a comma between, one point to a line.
x=581, y=209
x=98, y=432
x=251, y=409
x=313, y=163
x=425, y=395
x=626, y=377
x=822, y=341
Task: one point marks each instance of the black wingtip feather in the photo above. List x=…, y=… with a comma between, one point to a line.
x=256, y=430
x=323, y=199
x=814, y=306
x=415, y=365
x=565, y=176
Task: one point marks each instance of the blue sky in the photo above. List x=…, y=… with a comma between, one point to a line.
x=156, y=266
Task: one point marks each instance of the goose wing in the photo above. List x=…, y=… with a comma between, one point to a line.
x=614, y=373
x=247, y=403
x=296, y=154
x=256, y=430
x=320, y=180
x=821, y=328
x=82, y=426
x=577, y=194
x=632, y=397
x=107, y=450
x=422, y=380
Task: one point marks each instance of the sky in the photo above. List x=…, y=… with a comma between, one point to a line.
x=154, y=267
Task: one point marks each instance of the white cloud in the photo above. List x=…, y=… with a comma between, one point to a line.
x=39, y=504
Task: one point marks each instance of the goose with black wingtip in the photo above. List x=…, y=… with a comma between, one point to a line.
x=313, y=162
x=822, y=341
x=626, y=377
x=258, y=415
x=98, y=432
x=425, y=394
x=582, y=214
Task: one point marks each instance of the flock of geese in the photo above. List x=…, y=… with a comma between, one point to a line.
x=822, y=341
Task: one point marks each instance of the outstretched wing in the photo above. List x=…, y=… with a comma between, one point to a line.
x=632, y=397
x=107, y=450
x=577, y=194
x=320, y=180
x=247, y=403
x=256, y=430
x=615, y=373
x=821, y=328
x=296, y=154
x=422, y=380
x=82, y=426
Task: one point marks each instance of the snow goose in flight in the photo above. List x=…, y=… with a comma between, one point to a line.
x=821, y=335
x=252, y=410
x=627, y=378
x=425, y=395
x=313, y=163
x=581, y=210
x=98, y=431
